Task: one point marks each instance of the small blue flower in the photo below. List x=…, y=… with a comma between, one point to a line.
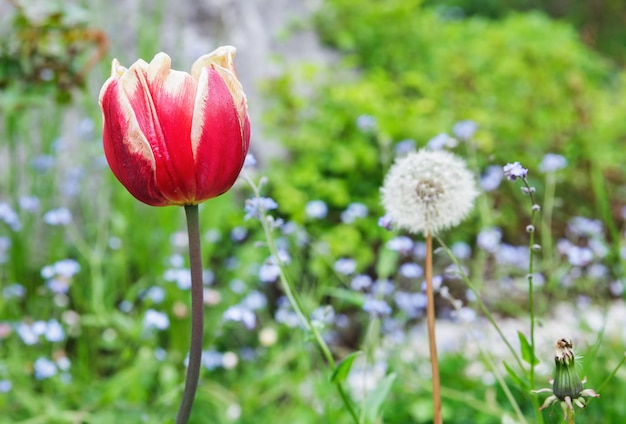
x=44, y=368
x=552, y=162
x=411, y=270
x=10, y=217
x=581, y=226
x=58, y=217
x=401, y=244
x=513, y=171
x=385, y=222
x=461, y=250
x=269, y=272
x=491, y=178
x=5, y=386
x=316, y=209
x=54, y=331
x=353, y=212
x=361, y=282
x=345, y=266
x=13, y=291
x=489, y=239
x=376, y=306
x=240, y=313
x=257, y=206
x=465, y=130
x=366, y=123
x=413, y=304
x=405, y=146
x=238, y=234
x=249, y=161
x=155, y=293
x=441, y=141
x=155, y=320
x=29, y=203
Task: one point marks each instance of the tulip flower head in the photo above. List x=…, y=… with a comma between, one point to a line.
x=172, y=137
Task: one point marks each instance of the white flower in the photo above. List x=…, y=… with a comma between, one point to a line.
x=428, y=191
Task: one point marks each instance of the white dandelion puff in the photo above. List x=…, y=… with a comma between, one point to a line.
x=428, y=191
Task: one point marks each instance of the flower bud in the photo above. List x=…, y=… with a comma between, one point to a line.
x=175, y=138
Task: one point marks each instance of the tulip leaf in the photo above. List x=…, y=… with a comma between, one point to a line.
x=528, y=354
x=343, y=369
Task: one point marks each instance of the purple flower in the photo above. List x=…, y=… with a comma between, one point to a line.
x=258, y=205
x=489, y=239
x=513, y=171
x=366, y=123
x=386, y=223
x=552, y=162
x=464, y=130
x=44, y=368
x=345, y=266
x=405, y=146
x=441, y=141
x=491, y=178
x=352, y=212
x=360, y=282
x=401, y=244
x=410, y=270
x=10, y=217
x=58, y=217
x=376, y=306
x=316, y=209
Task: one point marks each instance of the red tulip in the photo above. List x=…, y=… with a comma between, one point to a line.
x=174, y=138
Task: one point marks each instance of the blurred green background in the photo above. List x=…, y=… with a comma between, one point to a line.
x=94, y=299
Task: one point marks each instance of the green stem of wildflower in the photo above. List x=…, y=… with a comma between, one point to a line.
x=610, y=377
x=295, y=301
x=480, y=302
x=531, y=301
x=197, y=314
x=570, y=417
x=491, y=364
x=430, y=319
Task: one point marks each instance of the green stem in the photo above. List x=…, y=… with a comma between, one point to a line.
x=197, y=314
x=480, y=302
x=295, y=301
x=531, y=301
x=546, y=227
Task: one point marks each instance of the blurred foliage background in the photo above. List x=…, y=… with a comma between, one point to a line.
x=94, y=308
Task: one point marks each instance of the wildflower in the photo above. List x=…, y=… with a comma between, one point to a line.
x=465, y=130
x=552, y=162
x=360, y=282
x=567, y=386
x=489, y=239
x=345, y=266
x=13, y=291
x=401, y=244
x=249, y=161
x=405, y=147
x=441, y=141
x=491, y=178
x=410, y=270
x=58, y=217
x=44, y=368
x=29, y=203
x=352, y=212
x=257, y=206
x=376, y=306
x=240, y=313
x=513, y=171
x=10, y=217
x=366, y=123
x=385, y=222
x=316, y=209
x=155, y=320
x=427, y=191
x=5, y=386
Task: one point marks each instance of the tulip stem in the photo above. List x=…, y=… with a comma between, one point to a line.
x=430, y=318
x=197, y=314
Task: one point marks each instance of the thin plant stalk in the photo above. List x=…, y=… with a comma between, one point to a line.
x=546, y=227
x=480, y=302
x=430, y=319
x=197, y=314
x=295, y=301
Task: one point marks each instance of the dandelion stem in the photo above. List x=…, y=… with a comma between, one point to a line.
x=430, y=318
x=197, y=314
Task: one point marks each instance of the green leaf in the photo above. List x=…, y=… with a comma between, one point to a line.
x=343, y=369
x=528, y=354
x=376, y=398
x=521, y=383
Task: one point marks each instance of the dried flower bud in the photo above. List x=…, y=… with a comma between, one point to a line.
x=530, y=228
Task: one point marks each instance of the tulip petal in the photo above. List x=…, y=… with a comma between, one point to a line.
x=173, y=93
x=219, y=140
x=125, y=146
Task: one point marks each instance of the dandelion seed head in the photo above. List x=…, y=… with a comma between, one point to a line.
x=428, y=191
